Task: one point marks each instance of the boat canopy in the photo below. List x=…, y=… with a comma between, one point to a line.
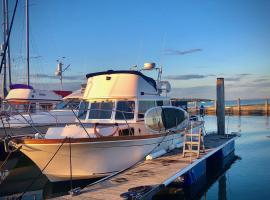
x=74, y=95
x=27, y=94
x=119, y=85
x=20, y=86
x=109, y=72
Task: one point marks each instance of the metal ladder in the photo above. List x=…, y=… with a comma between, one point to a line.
x=193, y=143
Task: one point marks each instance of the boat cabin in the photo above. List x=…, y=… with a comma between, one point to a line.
x=118, y=97
x=25, y=98
x=114, y=104
x=71, y=101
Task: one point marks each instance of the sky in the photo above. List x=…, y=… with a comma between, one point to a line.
x=195, y=41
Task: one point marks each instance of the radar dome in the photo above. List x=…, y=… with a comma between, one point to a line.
x=149, y=66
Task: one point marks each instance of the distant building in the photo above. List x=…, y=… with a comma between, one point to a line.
x=180, y=103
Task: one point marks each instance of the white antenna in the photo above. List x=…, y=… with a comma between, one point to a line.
x=59, y=70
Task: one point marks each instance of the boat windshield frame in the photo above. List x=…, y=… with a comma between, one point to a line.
x=71, y=104
x=102, y=108
x=21, y=107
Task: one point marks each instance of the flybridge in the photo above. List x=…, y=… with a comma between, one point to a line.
x=120, y=84
x=27, y=94
x=109, y=72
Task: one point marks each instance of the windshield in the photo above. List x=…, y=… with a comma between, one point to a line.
x=125, y=110
x=101, y=110
x=67, y=105
x=83, y=110
x=22, y=108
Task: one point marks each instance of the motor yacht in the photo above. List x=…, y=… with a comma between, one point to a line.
x=28, y=111
x=110, y=133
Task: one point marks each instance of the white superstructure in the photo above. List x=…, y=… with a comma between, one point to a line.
x=110, y=134
x=28, y=107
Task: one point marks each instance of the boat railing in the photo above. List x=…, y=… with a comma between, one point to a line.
x=113, y=113
x=5, y=116
x=30, y=121
x=27, y=117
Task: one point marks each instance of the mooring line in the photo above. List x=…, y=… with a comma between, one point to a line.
x=130, y=167
x=41, y=172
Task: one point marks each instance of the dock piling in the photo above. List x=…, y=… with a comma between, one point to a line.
x=220, y=106
x=239, y=106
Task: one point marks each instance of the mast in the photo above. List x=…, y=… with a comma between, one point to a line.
x=4, y=86
x=27, y=42
x=8, y=43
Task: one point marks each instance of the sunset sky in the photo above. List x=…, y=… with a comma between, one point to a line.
x=194, y=41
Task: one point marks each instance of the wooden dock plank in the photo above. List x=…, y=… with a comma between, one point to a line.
x=151, y=172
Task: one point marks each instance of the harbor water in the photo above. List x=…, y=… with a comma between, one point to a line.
x=244, y=175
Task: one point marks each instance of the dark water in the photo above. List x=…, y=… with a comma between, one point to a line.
x=242, y=175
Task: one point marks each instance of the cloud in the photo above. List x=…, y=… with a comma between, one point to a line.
x=245, y=91
x=186, y=77
x=178, y=52
x=70, y=77
x=207, y=92
x=71, y=86
x=237, y=77
x=232, y=79
x=261, y=84
x=244, y=74
x=261, y=80
x=257, y=85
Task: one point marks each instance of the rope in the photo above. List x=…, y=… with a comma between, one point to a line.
x=26, y=120
x=9, y=32
x=70, y=165
x=10, y=129
x=41, y=172
x=100, y=135
x=123, y=170
x=6, y=160
x=80, y=123
x=4, y=127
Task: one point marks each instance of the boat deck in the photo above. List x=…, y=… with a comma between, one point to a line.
x=156, y=173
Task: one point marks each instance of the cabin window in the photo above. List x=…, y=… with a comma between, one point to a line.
x=159, y=103
x=83, y=110
x=126, y=132
x=72, y=105
x=166, y=103
x=21, y=107
x=125, y=110
x=67, y=105
x=32, y=108
x=101, y=110
x=144, y=106
x=45, y=106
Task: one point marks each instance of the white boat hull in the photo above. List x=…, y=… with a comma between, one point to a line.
x=95, y=159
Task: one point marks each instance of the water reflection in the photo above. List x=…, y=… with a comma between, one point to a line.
x=26, y=178
x=239, y=124
x=222, y=188
x=216, y=171
x=267, y=122
x=253, y=146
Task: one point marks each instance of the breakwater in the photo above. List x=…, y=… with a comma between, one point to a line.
x=258, y=109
